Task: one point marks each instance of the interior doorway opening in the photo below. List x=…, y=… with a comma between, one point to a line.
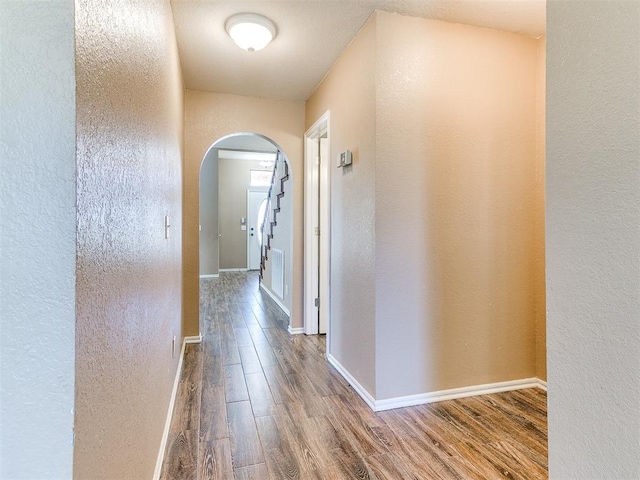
x=317, y=232
x=235, y=179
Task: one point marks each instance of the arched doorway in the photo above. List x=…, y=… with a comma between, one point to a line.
x=235, y=178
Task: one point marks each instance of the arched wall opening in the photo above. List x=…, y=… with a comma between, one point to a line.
x=210, y=117
x=235, y=174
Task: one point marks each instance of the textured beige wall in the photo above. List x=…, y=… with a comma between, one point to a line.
x=593, y=239
x=539, y=212
x=129, y=140
x=209, y=117
x=37, y=239
x=349, y=92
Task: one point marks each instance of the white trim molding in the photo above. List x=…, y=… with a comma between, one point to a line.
x=295, y=331
x=275, y=299
x=233, y=270
x=247, y=155
x=167, y=423
x=194, y=339
x=172, y=402
x=360, y=390
x=210, y=275
x=317, y=218
x=432, y=397
x=453, y=393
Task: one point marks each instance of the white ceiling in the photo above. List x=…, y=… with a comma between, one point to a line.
x=311, y=36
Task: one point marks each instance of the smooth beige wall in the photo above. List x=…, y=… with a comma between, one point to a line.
x=129, y=142
x=348, y=92
x=209, y=239
x=209, y=117
x=539, y=212
x=232, y=205
x=434, y=267
x=455, y=197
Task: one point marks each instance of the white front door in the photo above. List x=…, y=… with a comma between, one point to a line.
x=256, y=208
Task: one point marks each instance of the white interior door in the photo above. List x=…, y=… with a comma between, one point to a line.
x=256, y=207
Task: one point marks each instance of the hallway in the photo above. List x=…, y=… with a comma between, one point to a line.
x=257, y=403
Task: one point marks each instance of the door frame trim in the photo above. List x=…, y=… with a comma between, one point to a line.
x=312, y=248
x=249, y=190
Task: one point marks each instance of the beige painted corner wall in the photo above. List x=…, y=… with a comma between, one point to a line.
x=209, y=117
x=455, y=224
x=539, y=212
x=434, y=226
x=349, y=93
x=208, y=195
x=129, y=143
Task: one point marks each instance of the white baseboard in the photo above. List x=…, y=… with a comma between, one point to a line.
x=167, y=423
x=210, y=275
x=195, y=339
x=360, y=390
x=431, y=397
x=233, y=270
x=275, y=299
x=172, y=402
x=295, y=331
x=453, y=393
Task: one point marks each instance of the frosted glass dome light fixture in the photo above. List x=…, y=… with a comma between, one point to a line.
x=250, y=31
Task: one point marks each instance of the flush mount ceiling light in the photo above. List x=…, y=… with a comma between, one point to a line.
x=250, y=31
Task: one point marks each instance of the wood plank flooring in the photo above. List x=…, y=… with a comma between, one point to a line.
x=255, y=403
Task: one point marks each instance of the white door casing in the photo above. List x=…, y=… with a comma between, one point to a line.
x=324, y=239
x=317, y=233
x=311, y=243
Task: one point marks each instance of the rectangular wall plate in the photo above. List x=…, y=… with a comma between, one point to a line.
x=345, y=158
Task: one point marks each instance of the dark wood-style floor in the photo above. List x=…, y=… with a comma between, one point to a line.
x=257, y=403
